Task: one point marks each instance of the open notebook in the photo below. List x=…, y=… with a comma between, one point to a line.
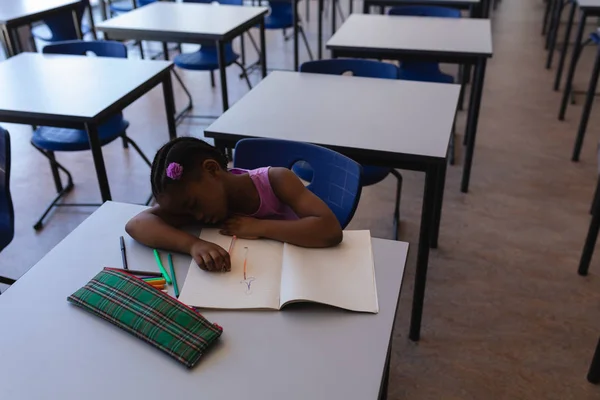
x=278, y=274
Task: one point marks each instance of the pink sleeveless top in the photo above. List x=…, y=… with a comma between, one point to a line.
x=270, y=205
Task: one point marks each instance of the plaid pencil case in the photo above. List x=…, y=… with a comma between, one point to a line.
x=146, y=312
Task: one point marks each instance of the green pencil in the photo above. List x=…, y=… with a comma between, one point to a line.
x=170, y=259
x=163, y=271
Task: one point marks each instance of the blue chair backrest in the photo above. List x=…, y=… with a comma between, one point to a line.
x=7, y=212
x=101, y=48
x=61, y=24
x=225, y=2
x=336, y=178
x=361, y=68
x=423, y=71
x=425, y=11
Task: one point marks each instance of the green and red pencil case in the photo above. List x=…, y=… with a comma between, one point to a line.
x=148, y=313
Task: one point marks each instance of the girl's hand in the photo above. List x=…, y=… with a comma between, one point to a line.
x=242, y=227
x=210, y=257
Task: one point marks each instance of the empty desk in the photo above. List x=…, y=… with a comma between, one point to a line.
x=459, y=41
x=190, y=23
x=79, y=92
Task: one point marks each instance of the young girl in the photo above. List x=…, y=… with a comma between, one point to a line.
x=191, y=184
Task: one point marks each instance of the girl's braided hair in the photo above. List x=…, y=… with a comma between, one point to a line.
x=189, y=153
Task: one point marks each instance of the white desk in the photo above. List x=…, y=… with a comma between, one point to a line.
x=466, y=41
x=397, y=124
x=51, y=349
x=79, y=92
x=190, y=23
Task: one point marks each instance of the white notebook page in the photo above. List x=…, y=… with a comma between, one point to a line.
x=261, y=287
x=342, y=276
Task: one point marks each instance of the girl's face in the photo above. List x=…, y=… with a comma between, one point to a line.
x=204, y=198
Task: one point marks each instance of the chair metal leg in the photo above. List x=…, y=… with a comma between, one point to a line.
x=190, y=104
x=593, y=375
x=244, y=74
x=212, y=78
x=54, y=169
x=137, y=148
x=61, y=193
x=310, y=55
x=397, y=204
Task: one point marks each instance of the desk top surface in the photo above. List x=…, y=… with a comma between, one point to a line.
x=304, y=352
x=55, y=86
x=176, y=20
x=427, y=35
x=401, y=117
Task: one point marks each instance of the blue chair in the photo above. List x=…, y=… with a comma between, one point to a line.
x=50, y=139
x=127, y=5
x=206, y=58
x=366, y=69
x=7, y=212
x=59, y=27
x=336, y=177
x=281, y=16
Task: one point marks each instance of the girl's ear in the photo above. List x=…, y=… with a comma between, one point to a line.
x=211, y=166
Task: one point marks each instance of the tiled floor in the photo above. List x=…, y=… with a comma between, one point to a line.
x=506, y=316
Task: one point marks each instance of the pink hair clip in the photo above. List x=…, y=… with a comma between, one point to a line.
x=174, y=171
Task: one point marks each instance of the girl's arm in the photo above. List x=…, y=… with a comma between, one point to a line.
x=158, y=229
x=317, y=226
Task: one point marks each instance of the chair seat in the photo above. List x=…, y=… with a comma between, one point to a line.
x=205, y=59
x=42, y=32
x=370, y=175
x=63, y=139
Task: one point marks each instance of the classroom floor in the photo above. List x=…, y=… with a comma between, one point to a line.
x=506, y=316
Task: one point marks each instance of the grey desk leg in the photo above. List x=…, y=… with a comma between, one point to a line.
x=423, y=253
x=472, y=120
x=295, y=18
x=167, y=85
x=77, y=24
x=96, y=149
x=439, y=201
x=574, y=57
x=587, y=108
x=383, y=390
x=320, y=9
x=552, y=24
x=263, y=49
x=593, y=375
x=350, y=6
x=222, y=74
x=8, y=41
x=92, y=23
x=165, y=47
x=485, y=8
x=592, y=236
x=563, y=53
x=102, y=5
x=333, y=16
x=366, y=7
